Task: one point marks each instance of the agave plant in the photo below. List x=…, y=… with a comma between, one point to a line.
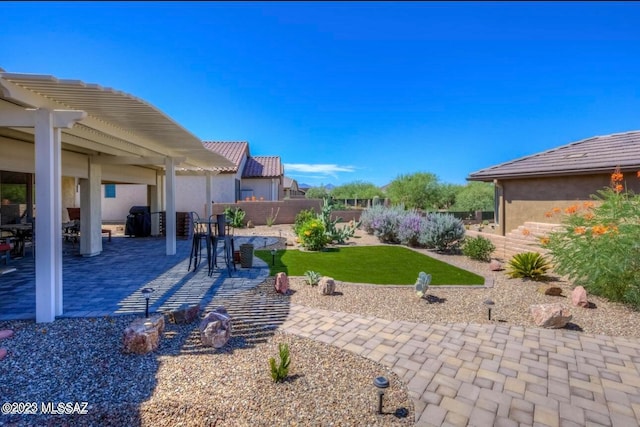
x=422, y=284
x=312, y=277
x=531, y=265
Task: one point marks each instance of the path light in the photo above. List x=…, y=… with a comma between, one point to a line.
x=273, y=257
x=147, y=294
x=381, y=383
x=489, y=303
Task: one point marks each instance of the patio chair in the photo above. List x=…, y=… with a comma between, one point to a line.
x=198, y=236
x=223, y=234
x=74, y=215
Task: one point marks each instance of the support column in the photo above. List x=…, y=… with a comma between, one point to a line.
x=170, y=226
x=57, y=219
x=91, y=212
x=44, y=238
x=209, y=199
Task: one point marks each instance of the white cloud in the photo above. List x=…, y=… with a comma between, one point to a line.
x=321, y=169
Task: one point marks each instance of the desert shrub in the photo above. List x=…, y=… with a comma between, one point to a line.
x=302, y=217
x=280, y=371
x=598, y=245
x=478, y=248
x=442, y=232
x=385, y=226
x=312, y=235
x=531, y=265
x=409, y=228
x=370, y=216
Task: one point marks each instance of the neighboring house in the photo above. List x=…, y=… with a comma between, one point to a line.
x=246, y=177
x=262, y=179
x=291, y=189
x=529, y=187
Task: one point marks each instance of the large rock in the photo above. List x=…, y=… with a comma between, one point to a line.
x=579, y=297
x=495, y=265
x=282, y=283
x=6, y=333
x=215, y=328
x=551, y=316
x=326, y=285
x=143, y=335
x=184, y=314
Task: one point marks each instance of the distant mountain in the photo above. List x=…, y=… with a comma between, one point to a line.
x=307, y=186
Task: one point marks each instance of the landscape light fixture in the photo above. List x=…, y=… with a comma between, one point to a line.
x=147, y=294
x=381, y=383
x=273, y=257
x=489, y=303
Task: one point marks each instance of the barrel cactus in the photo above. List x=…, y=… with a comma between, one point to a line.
x=422, y=284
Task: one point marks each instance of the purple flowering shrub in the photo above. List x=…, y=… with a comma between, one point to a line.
x=409, y=228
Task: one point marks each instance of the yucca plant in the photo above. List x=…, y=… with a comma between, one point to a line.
x=280, y=372
x=531, y=265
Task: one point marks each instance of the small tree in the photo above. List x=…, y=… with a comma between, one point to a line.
x=598, y=246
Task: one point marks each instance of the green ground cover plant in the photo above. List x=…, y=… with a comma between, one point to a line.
x=380, y=265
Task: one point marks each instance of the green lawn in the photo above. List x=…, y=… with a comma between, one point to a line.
x=381, y=265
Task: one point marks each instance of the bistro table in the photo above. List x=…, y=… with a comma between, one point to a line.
x=20, y=233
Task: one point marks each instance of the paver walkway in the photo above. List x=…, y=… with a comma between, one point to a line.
x=492, y=375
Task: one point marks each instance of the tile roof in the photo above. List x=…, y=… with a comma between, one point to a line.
x=262, y=167
x=599, y=154
x=234, y=151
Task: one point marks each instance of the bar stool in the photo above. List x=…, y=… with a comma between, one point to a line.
x=222, y=235
x=199, y=236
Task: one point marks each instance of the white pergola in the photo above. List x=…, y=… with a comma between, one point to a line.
x=107, y=127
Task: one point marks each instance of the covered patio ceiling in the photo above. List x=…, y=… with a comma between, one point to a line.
x=117, y=124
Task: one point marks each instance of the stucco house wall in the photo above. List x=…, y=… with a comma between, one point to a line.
x=117, y=209
x=267, y=188
x=530, y=199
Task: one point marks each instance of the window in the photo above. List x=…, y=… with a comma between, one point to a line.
x=109, y=191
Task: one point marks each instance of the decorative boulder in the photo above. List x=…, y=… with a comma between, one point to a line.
x=551, y=316
x=215, y=328
x=553, y=291
x=143, y=335
x=579, y=297
x=495, y=265
x=327, y=286
x=184, y=314
x=6, y=333
x=282, y=283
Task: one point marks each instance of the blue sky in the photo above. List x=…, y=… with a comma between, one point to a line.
x=362, y=91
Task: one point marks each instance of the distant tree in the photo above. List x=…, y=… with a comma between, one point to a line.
x=475, y=196
x=448, y=194
x=317, y=192
x=419, y=190
x=356, y=190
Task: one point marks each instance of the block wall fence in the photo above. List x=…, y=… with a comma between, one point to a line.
x=258, y=211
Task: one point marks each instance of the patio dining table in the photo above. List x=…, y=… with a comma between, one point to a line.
x=20, y=233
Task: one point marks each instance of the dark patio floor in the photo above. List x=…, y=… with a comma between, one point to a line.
x=110, y=283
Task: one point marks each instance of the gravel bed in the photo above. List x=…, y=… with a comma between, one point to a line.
x=182, y=383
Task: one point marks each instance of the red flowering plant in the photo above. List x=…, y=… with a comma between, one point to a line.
x=598, y=245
